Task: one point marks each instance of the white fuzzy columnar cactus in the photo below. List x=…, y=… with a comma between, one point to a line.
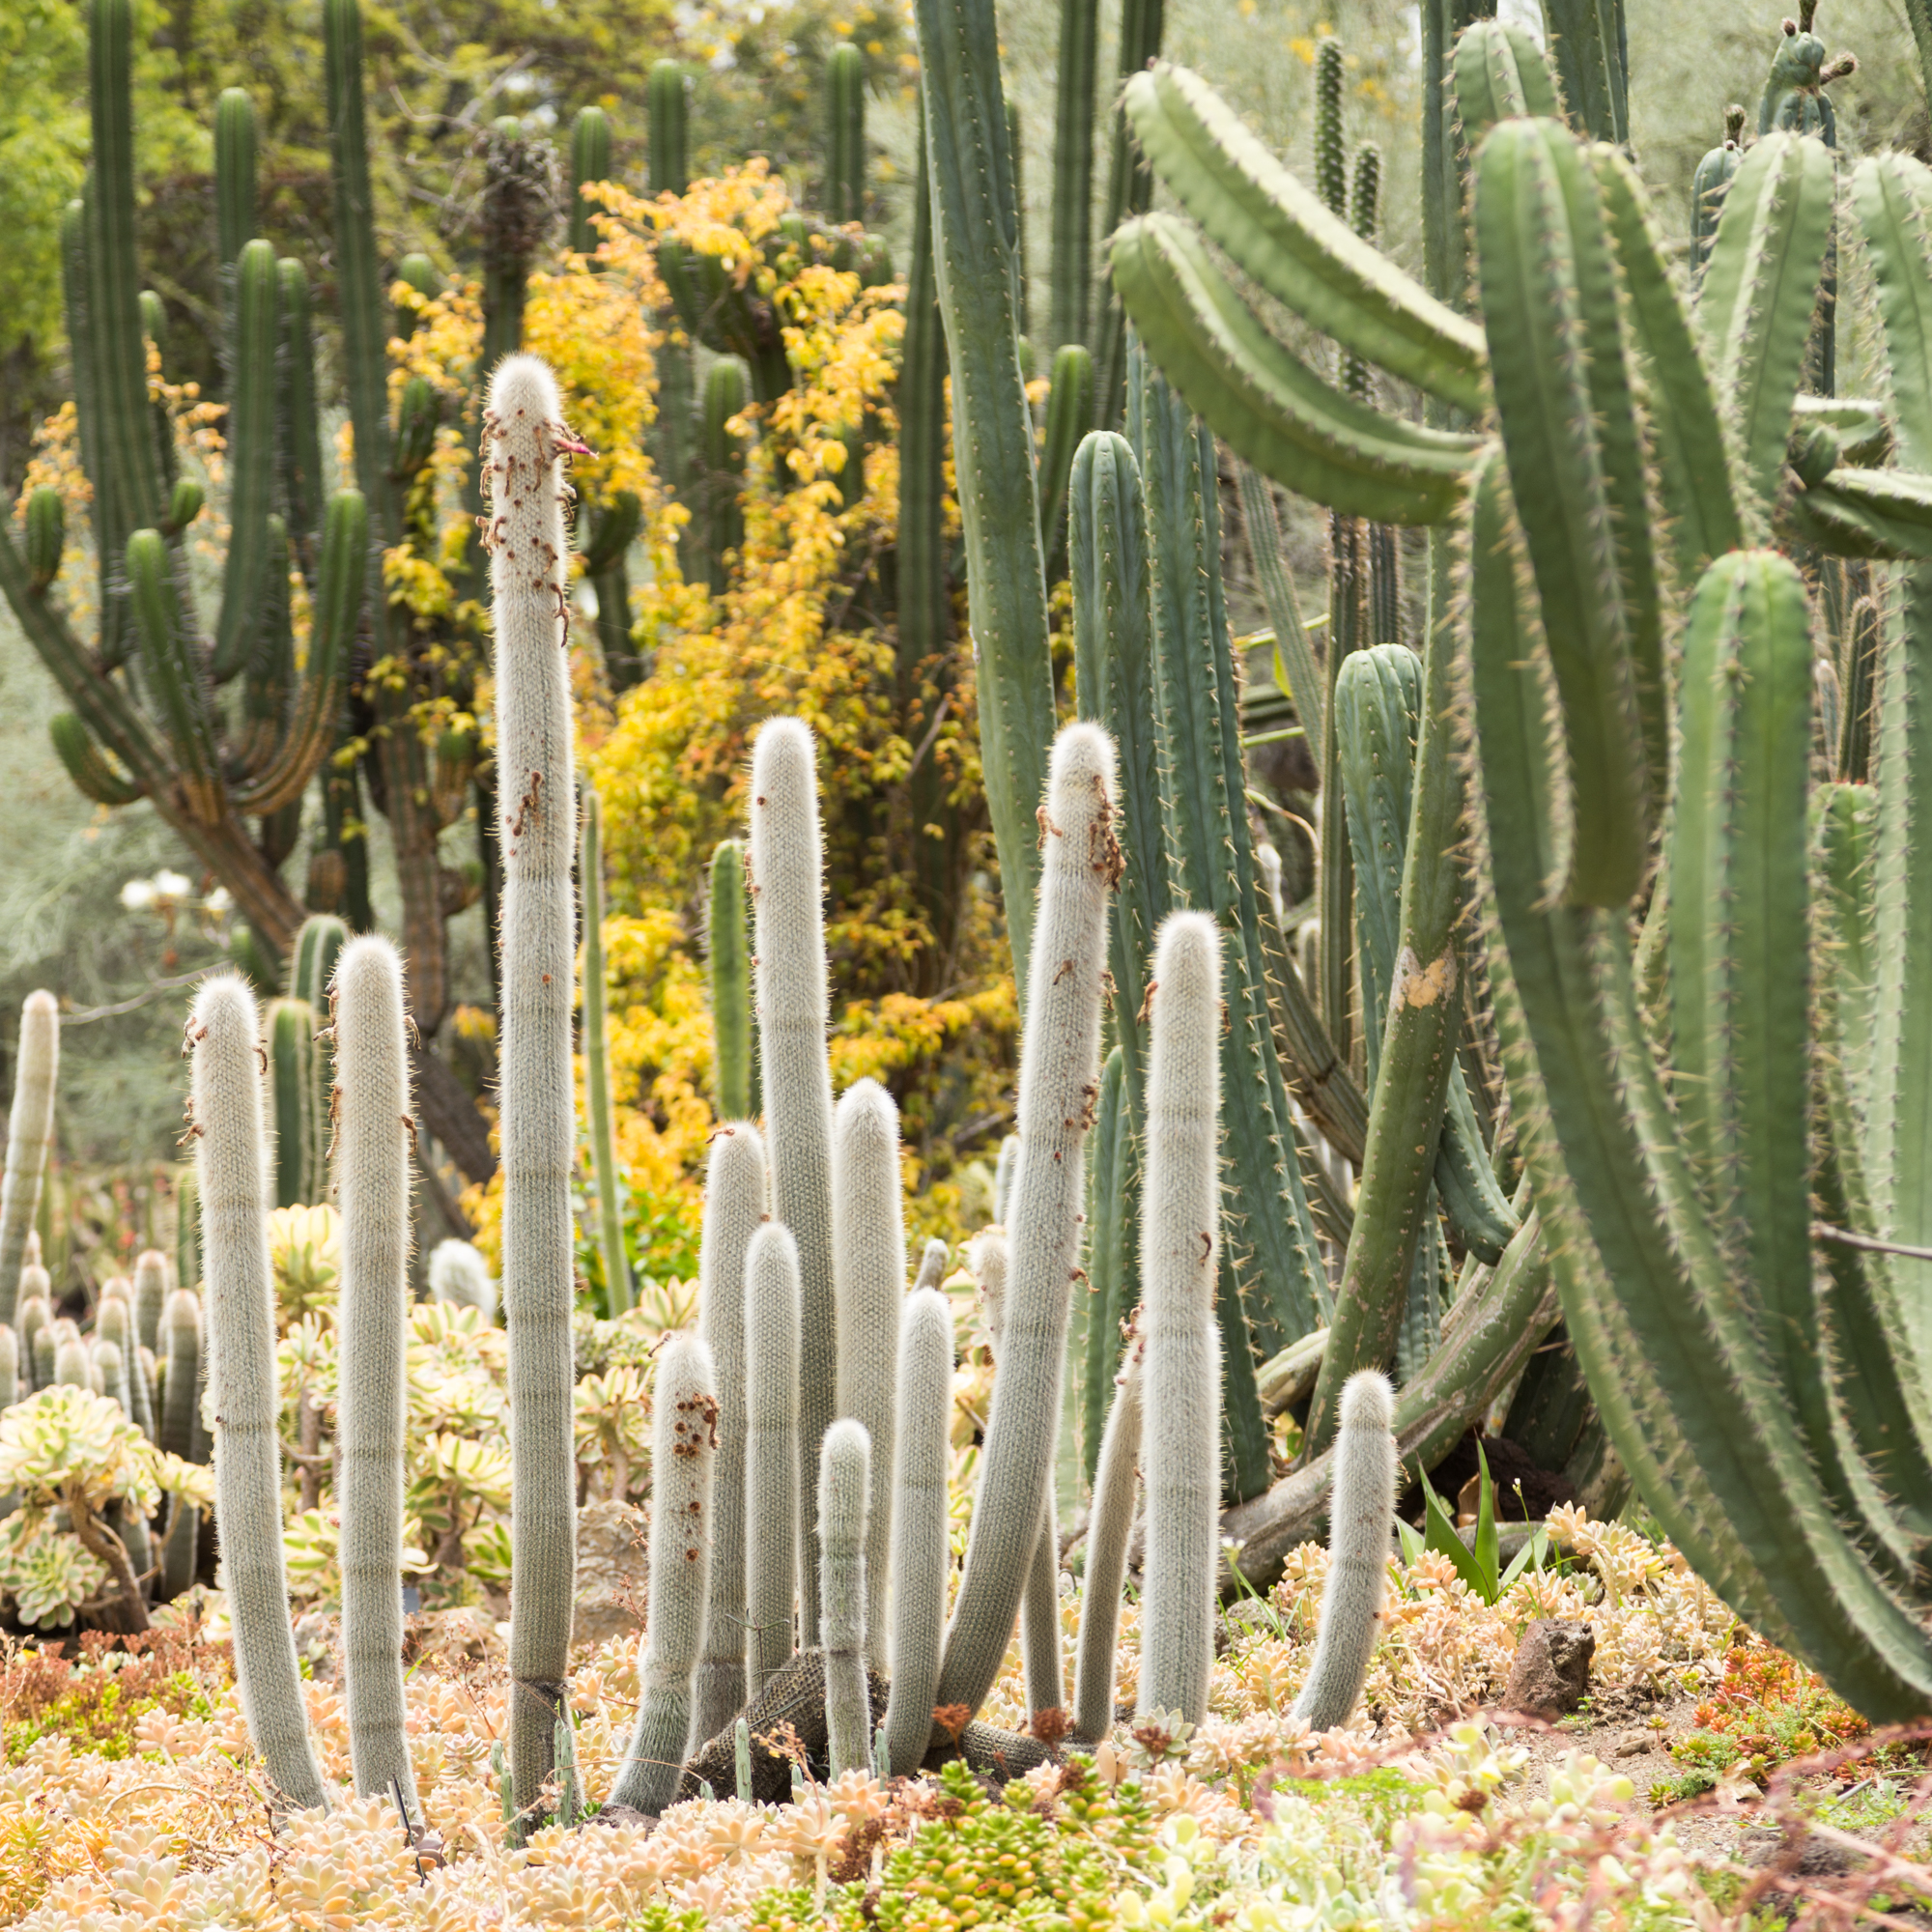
x=1180, y=1234
x=772, y=1321
x=787, y=897
x=736, y=1192
x=180, y=1350
x=459, y=1275
x=1110, y=1524
x=869, y=1271
x=1060, y=1082
x=684, y=1443
x=920, y=1547
x=231, y=1163
x=30, y=1126
x=372, y=1190
x=845, y=1490
x=151, y=1290
x=523, y=438
x=1359, y=1515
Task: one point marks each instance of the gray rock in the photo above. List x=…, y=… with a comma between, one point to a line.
x=1550, y=1674
x=612, y=1570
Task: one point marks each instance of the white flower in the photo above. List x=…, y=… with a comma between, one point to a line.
x=138, y=894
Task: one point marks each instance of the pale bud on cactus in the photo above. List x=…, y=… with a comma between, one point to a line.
x=772, y=1321
x=230, y=1162
x=151, y=1290
x=459, y=1275
x=1180, y=1231
x=1359, y=1515
x=29, y=1128
x=788, y=896
x=844, y=1488
x=1110, y=1524
x=523, y=439
x=684, y=1441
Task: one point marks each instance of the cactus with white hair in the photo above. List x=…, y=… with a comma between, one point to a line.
x=844, y=1487
x=459, y=1275
x=772, y=1325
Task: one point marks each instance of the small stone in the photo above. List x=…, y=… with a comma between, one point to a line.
x=1550, y=1673
x=1633, y=1746
x=612, y=1570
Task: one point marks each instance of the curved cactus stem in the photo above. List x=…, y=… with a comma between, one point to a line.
x=1587, y=43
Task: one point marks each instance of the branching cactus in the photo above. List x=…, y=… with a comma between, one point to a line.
x=528, y=581
x=787, y=891
x=372, y=1186
x=735, y=1191
x=1060, y=1082
x=921, y=1550
x=1180, y=1233
x=30, y=1125
x=868, y=1271
x=1108, y=1526
x=772, y=1324
x=1359, y=1516
x=684, y=1442
x=231, y=1144
x=459, y=1275
x=844, y=1485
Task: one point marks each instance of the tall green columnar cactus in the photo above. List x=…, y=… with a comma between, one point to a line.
x=666, y=105
x=734, y=1076
x=978, y=279
x=30, y=1127
x=114, y=1325
x=787, y=891
x=1707, y=189
x=1129, y=191
x=1060, y=1075
x=1111, y=1218
x=772, y=1325
x=1588, y=45
x=922, y=1553
x=1358, y=1545
x=736, y=1188
x=525, y=441
x=231, y=1141
x=180, y=1352
x=845, y=1489
x=726, y=391
x=1179, y=1236
x=151, y=1294
x=296, y=1103
x=312, y=958
x=590, y=161
x=602, y=1122
x=1110, y=1524
x=845, y=133
x=372, y=1189
x=869, y=1282
x=1073, y=241
x=1069, y=407
x=684, y=1443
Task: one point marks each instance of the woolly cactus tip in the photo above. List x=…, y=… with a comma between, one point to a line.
x=1083, y=755
x=368, y=968
x=736, y=1148
x=459, y=1274
x=1368, y=1400
x=523, y=388
x=224, y=1012
x=844, y=1465
x=41, y=1007
x=772, y=1247
x=685, y=1373
x=1187, y=960
x=868, y=1117
x=784, y=762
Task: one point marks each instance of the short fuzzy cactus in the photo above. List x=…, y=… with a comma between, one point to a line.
x=459, y=1275
x=684, y=1442
x=787, y=893
x=30, y=1126
x=372, y=1187
x=772, y=1321
x=1359, y=1518
x=1180, y=1234
x=524, y=443
x=231, y=1143
x=151, y=1290
x=869, y=1272
x=844, y=1488
x=1110, y=1524
x=180, y=1352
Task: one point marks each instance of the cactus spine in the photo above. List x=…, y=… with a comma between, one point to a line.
x=30, y=1126
x=773, y=1319
x=734, y=1065
x=868, y=1274
x=597, y=1066
x=1179, y=1242
x=735, y=1191
x=229, y=1157
x=684, y=1440
x=844, y=1487
x=525, y=439
x=920, y=1545
x=1359, y=1516
x=1060, y=1071
x=1110, y=1524
x=787, y=887
x=372, y=1184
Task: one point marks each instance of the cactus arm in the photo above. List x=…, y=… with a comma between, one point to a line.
x=1072, y=247
x=170, y=659
x=180, y=1350
x=535, y=797
x=295, y=1106
x=923, y=605
x=372, y=1180
x=726, y=392
x=787, y=889
x=1498, y=74
x=844, y=1483
x=1586, y=38
x=772, y=1325
x=1069, y=408
x=1110, y=1524
x=603, y=1132
x=151, y=1294
x=1884, y=515
x=1307, y=686
x=735, y=1190
x=733, y=1064
x=1129, y=191
x=684, y=1442
x=669, y=163
x=1042, y=1666
x=845, y=145
x=250, y=433
x=1060, y=1070
x=229, y=1161
x=1178, y=1240
x=30, y=1126
x=978, y=297
x=110, y=536
x=1892, y=194
x=1324, y=1086
x=590, y=161
x=96, y=773
x=1266, y=403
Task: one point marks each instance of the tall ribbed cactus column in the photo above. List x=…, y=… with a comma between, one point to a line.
x=868, y=1273
x=772, y=1320
x=597, y=1066
x=372, y=1189
x=524, y=436
x=845, y=1481
x=787, y=891
x=231, y=1159
x=735, y=1191
x=30, y=1125
x=1060, y=1082
x=1180, y=1234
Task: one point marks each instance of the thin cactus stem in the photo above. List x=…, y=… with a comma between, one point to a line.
x=844, y=1483
x=845, y=119
x=773, y=1320
x=610, y=1189
x=1110, y=1525
x=30, y=1126
x=734, y=1065
x=151, y=1292
x=1072, y=238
